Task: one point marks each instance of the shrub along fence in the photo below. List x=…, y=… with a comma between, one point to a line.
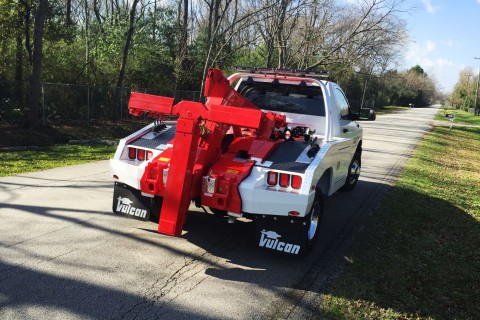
x=75, y=102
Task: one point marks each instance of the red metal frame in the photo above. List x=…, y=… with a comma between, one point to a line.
x=197, y=148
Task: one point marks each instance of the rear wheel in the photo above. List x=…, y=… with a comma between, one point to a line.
x=314, y=219
x=353, y=172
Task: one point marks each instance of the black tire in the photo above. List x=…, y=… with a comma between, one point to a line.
x=155, y=208
x=218, y=212
x=313, y=220
x=353, y=172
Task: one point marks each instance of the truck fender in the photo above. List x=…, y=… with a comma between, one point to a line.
x=354, y=169
x=324, y=184
x=359, y=148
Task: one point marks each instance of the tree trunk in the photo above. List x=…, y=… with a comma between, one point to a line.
x=19, y=59
x=210, y=22
x=99, y=17
x=182, y=38
x=154, y=29
x=126, y=48
x=87, y=37
x=34, y=89
x=27, y=29
x=69, y=13
x=281, y=42
x=185, y=22
x=216, y=19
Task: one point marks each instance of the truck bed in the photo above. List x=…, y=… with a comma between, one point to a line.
x=154, y=140
x=290, y=156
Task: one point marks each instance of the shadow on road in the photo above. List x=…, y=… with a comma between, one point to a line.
x=440, y=234
x=63, y=298
x=215, y=244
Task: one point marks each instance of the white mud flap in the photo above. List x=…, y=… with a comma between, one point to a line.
x=285, y=235
x=129, y=202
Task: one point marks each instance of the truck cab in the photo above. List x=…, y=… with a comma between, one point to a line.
x=309, y=103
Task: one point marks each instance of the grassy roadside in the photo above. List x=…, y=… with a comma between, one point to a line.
x=61, y=133
x=460, y=117
x=418, y=257
x=12, y=163
x=48, y=148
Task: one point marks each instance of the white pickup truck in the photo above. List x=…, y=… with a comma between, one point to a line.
x=267, y=145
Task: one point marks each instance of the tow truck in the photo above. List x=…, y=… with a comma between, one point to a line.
x=267, y=145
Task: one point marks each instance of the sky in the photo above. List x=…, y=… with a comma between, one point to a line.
x=444, y=38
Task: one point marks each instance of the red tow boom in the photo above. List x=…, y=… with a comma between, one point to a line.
x=198, y=152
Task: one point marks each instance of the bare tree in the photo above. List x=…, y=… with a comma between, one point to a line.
x=315, y=19
x=230, y=20
x=126, y=48
x=370, y=29
x=271, y=27
x=182, y=38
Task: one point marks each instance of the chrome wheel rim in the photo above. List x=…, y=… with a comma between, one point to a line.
x=314, y=219
x=354, y=171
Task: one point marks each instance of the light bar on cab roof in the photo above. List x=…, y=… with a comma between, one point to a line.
x=283, y=72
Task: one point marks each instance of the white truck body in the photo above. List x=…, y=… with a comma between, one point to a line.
x=339, y=139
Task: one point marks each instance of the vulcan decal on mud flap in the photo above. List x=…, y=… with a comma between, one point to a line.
x=269, y=240
x=124, y=205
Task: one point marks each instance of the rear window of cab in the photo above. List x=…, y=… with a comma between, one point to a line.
x=281, y=97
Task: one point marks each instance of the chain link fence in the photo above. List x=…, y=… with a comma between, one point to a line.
x=74, y=102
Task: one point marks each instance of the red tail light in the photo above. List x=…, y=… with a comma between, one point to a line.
x=296, y=182
x=141, y=154
x=132, y=153
x=272, y=178
x=284, y=180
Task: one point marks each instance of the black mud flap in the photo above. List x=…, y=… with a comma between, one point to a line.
x=286, y=235
x=129, y=202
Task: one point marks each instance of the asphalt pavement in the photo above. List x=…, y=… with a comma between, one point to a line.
x=65, y=255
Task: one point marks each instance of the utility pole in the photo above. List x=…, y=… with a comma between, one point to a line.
x=475, y=112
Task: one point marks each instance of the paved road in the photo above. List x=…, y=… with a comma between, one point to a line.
x=64, y=255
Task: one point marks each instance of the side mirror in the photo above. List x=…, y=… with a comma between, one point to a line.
x=363, y=114
x=372, y=116
x=353, y=116
x=366, y=114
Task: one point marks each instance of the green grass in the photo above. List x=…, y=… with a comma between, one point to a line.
x=12, y=163
x=419, y=255
x=59, y=133
x=47, y=146
x=460, y=117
